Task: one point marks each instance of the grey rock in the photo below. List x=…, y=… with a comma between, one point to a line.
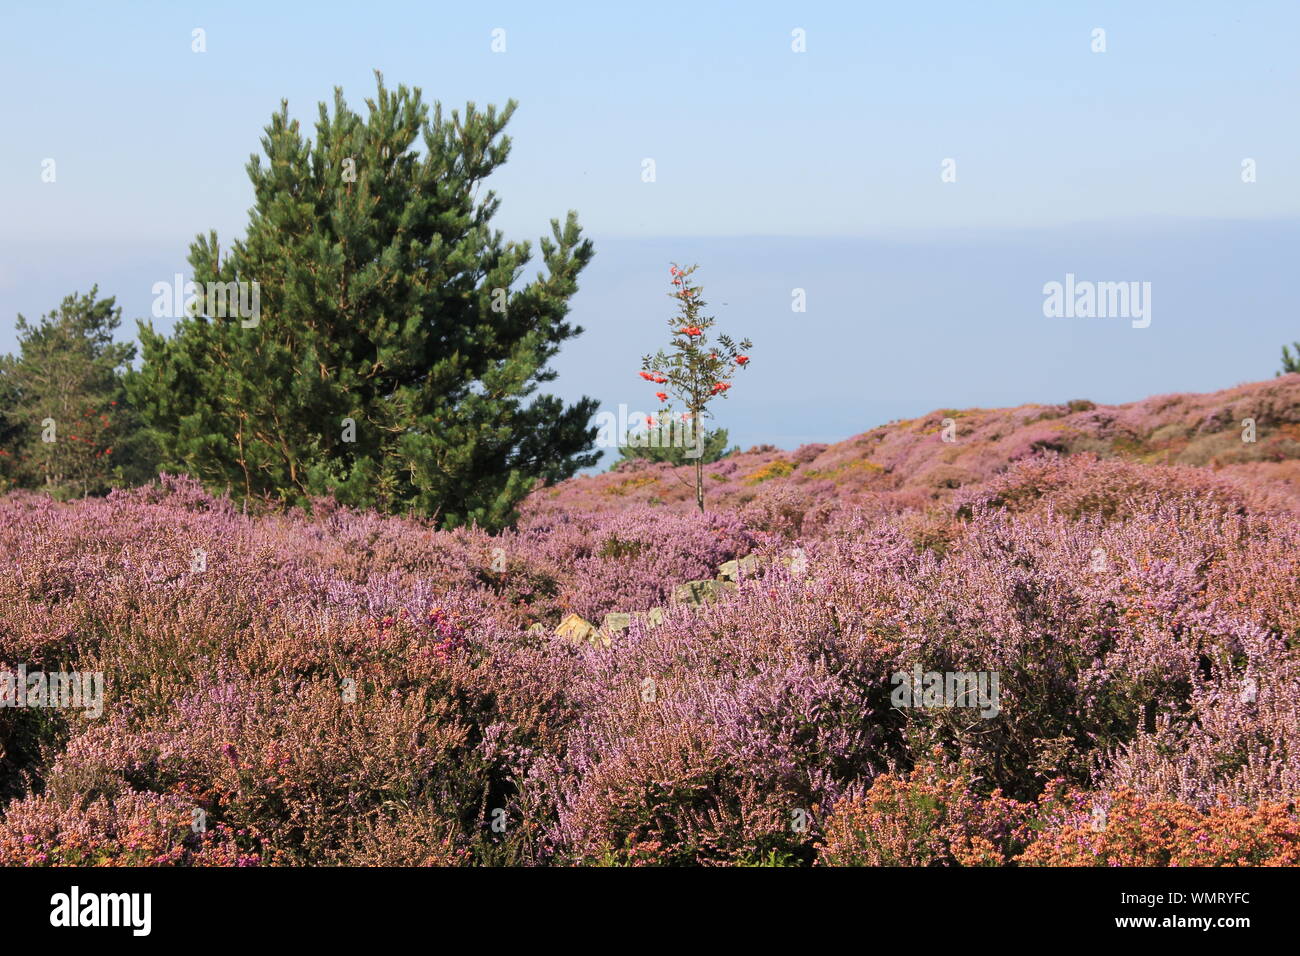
x=700, y=592
x=616, y=621
x=730, y=570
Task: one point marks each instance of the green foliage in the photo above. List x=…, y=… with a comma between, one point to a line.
x=772, y=858
x=714, y=449
x=65, y=425
x=12, y=430
x=396, y=356
x=615, y=547
x=1290, y=363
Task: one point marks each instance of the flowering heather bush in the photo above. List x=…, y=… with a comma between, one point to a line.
x=1237, y=737
x=707, y=734
x=1086, y=486
x=937, y=818
x=626, y=560
x=340, y=687
x=136, y=829
x=931, y=817
x=1125, y=829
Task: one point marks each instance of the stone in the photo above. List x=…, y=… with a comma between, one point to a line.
x=730, y=570
x=616, y=621
x=538, y=628
x=576, y=629
x=796, y=561
x=700, y=592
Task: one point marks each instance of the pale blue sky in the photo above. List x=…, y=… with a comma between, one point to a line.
x=775, y=170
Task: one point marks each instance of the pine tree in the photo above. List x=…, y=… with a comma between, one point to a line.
x=13, y=433
x=1290, y=363
x=394, y=351
x=67, y=427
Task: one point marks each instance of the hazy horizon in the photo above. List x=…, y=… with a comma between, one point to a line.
x=953, y=323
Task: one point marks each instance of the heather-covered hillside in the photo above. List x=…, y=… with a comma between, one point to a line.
x=908, y=463
x=342, y=687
